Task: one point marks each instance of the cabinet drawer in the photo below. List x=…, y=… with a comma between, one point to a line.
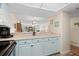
x=35, y=41
x=52, y=39
x=24, y=42
x=43, y=39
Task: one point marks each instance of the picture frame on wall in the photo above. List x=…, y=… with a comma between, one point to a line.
x=77, y=24
x=56, y=23
x=51, y=21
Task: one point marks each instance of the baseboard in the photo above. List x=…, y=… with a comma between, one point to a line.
x=64, y=52
x=75, y=45
x=54, y=54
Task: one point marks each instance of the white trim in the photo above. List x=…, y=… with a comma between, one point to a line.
x=64, y=52
x=77, y=45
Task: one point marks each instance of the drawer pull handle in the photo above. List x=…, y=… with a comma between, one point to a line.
x=37, y=40
x=24, y=42
x=32, y=45
x=53, y=42
x=48, y=39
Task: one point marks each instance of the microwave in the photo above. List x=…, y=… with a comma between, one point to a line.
x=4, y=31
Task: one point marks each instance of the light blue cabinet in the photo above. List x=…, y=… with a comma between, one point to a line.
x=24, y=50
x=50, y=45
x=53, y=45
x=17, y=49
x=44, y=44
x=37, y=50
x=37, y=47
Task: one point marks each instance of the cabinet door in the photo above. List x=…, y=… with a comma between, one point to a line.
x=44, y=44
x=36, y=49
x=24, y=50
x=54, y=43
x=17, y=49
x=50, y=46
x=47, y=47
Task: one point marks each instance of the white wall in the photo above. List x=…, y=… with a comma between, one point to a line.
x=53, y=20
x=63, y=30
x=65, y=42
x=2, y=14
x=74, y=31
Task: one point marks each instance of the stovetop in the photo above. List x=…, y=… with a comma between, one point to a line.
x=3, y=37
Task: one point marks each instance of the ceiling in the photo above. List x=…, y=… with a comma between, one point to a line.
x=72, y=9
x=20, y=9
x=47, y=6
x=36, y=9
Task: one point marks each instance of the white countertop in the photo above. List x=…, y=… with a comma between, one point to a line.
x=21, y=36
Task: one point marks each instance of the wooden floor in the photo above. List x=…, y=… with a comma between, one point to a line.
x=75, y=50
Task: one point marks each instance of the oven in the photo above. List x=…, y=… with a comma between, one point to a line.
x=7, y=48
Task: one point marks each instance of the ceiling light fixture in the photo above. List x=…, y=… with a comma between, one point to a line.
x=41, y=5
x=34, y=22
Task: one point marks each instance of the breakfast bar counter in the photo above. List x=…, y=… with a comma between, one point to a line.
x=22, y=35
